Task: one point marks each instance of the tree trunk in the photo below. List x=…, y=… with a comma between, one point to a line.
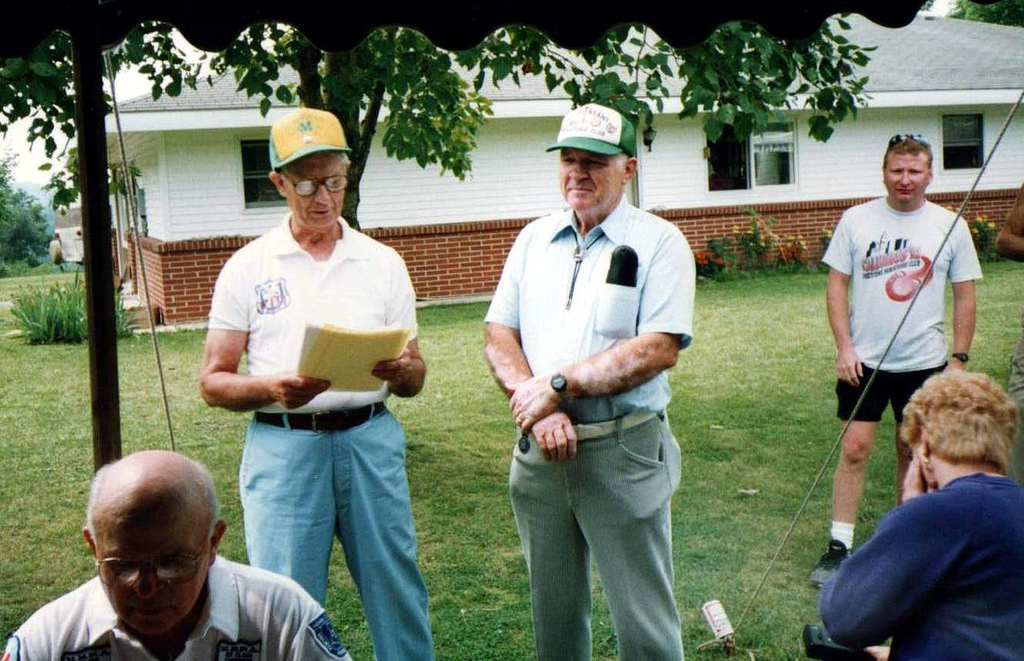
x=309, y=91
x=358, y=133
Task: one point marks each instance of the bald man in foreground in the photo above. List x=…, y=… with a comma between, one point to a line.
x=161, y=591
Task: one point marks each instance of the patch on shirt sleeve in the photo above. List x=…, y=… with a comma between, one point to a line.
x=324, y=634
x=101, y=653
x=13, y=650
x=241, y=651
x=272, y=296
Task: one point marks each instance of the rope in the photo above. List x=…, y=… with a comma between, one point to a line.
x=136, y=251
x=892, y=340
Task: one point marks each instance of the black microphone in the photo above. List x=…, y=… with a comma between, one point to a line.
x=623, y=267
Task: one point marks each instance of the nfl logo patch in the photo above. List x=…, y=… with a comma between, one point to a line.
x=272, y=296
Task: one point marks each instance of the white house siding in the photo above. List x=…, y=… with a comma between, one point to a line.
x=204, y=171
x=848, y=165
x=145, y=154
x=512, y=178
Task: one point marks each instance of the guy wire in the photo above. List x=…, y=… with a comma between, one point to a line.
x=860, y=400
x=129, y=182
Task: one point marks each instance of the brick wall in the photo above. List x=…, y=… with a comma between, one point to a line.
x=181, y=275
x=461, y=259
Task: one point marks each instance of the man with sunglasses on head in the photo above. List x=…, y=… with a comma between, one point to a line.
x=888, y=249
x=317, y=462
x=161, y=590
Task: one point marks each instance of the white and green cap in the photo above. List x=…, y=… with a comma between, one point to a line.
x=598, y=129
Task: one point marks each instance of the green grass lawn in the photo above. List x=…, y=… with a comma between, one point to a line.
x=11, y=287
x=753, y=409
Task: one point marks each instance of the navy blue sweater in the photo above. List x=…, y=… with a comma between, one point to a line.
x=943, y=575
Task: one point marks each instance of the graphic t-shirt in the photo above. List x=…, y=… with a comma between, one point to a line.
x=887, y=254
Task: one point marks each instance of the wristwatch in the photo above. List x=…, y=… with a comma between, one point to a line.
x=962, y=357
x=559, y=384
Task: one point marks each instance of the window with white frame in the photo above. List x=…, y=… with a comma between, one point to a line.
x=259, y=191
x=962, y=142
x=764, y=159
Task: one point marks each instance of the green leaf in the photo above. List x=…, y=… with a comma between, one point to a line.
x=713, y=128
x=283, y=94
x=42, y=69
x=15, y=68
x=819, y=128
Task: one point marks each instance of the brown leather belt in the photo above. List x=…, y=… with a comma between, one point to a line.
x=326, y=421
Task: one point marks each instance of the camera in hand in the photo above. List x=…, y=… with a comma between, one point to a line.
x=818, y=645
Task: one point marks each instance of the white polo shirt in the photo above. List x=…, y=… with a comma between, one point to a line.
x=272, y=288
x=250, y=614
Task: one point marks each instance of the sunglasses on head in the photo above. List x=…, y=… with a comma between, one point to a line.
x=901, y=137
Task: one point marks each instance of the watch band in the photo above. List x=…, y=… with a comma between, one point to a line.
x=962, y=357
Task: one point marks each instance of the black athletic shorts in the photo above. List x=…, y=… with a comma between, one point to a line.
x=895, y=387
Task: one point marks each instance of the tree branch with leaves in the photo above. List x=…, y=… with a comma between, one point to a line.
x=431, y=103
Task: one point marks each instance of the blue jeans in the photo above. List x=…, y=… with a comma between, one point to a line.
x=300, y=488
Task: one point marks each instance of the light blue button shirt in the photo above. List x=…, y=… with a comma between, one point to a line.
x=533, y=296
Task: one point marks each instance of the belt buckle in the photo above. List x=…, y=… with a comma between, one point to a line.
x=312, y=423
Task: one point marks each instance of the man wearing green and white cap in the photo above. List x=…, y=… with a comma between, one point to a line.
x=321, y=462
x=593, y=307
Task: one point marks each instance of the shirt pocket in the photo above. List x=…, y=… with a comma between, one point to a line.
x=617, y=308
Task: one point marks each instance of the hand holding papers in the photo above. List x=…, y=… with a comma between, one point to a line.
x=345, y=356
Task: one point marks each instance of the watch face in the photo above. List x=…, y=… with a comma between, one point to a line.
x=558, y=383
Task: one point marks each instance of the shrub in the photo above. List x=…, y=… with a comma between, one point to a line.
x=756, y=241
x=58, y=314
x=825, y=237
x=708, y=263
x=984, y=232
x=793, y=251
x=23, y=267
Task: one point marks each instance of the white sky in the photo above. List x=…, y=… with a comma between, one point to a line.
x=129, y=85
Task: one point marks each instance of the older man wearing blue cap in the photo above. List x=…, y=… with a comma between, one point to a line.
x=319, y=462
x=593, y=307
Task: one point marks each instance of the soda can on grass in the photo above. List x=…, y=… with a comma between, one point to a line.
x=714, y=613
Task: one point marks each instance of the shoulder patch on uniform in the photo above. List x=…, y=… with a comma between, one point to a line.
x=98, y=653
x=240, y=651
x=13, y=650
x=324, y=634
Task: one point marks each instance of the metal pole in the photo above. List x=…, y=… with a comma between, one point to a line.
x=92, y=183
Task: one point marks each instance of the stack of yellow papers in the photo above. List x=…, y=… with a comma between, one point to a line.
x=345, y=356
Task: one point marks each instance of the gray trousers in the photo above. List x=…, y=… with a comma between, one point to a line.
x=610, y=501
x=1015, y=387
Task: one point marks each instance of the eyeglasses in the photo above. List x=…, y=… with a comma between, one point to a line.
x=170, y=569
x=916, y=137
x=309, y=187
